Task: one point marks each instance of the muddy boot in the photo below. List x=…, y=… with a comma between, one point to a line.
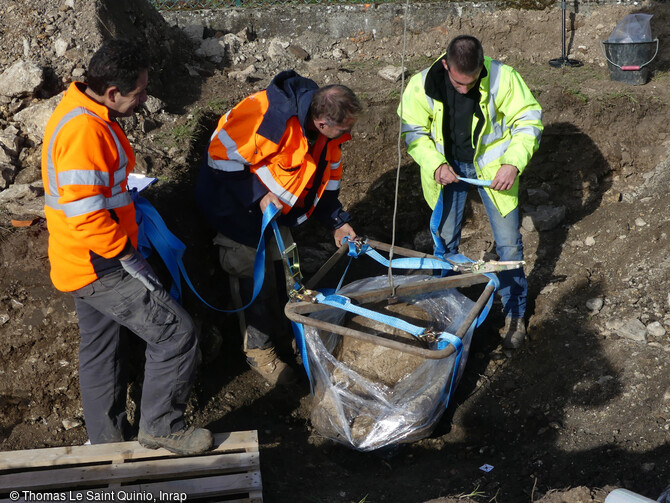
x=267, y=364
x=187, y=441
x=513, y=333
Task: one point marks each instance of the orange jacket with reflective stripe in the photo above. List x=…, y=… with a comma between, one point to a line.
x=86, y=159
x=257, y=137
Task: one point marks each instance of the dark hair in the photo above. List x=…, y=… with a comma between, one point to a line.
x=335, y=103
x=118, y=63
x=465, y=54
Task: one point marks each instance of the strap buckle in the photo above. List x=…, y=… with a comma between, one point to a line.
x=303, y=295
x=292, y=268
x=482, y=267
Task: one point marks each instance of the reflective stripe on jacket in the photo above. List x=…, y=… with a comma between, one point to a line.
x=510, y=133
x=261, y=146
x=86, y=159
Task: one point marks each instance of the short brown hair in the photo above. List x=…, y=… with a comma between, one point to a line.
x=335, y=103
x=465, y=54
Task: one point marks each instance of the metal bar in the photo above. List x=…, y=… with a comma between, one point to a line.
x=342, y=251
x=414, y=288
x=294, y=311
x=406, y=252
x=323, y=270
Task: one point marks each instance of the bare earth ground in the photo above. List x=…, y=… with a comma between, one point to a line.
x=576, y=412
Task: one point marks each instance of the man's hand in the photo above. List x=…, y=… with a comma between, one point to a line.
x=505, y=177
x=139, y=268
x=444, y=175
x=270, y=198
x=342, y=232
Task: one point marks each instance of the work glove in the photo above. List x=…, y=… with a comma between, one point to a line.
x=139, y=268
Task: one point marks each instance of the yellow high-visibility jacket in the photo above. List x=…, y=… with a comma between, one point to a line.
x=506, y=128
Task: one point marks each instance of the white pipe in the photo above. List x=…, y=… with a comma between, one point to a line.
x=626, y=496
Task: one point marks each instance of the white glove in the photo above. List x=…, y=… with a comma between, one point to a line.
x=140, y=269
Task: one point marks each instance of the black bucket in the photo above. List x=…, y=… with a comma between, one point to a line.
x=628, y=61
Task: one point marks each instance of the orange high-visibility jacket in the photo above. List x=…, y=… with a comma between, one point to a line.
x=86, y=159
x=264, y=135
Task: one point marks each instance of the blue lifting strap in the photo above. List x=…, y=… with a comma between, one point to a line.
x=475, y=181
x=441, y=252
x=153, y=233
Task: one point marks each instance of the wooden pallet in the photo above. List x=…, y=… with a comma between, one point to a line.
x=126, y=471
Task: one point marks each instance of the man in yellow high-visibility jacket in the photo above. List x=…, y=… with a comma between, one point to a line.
x=470, y=116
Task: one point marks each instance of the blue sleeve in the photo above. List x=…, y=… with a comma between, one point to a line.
x=329, y=211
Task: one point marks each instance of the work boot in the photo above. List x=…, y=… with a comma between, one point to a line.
x=186, y=441
x=267, y=364
x=513, y=333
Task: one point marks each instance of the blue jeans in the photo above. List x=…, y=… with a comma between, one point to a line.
x=108, y=309
x=506, y=232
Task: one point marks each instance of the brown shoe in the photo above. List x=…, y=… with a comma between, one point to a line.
x=267, y=364
x=513, y=333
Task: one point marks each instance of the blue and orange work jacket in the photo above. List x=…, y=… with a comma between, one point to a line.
x=261, y=146
x=86, y=159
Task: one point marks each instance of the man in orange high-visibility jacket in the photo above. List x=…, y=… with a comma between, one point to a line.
x=281, y=145
x=86, y=159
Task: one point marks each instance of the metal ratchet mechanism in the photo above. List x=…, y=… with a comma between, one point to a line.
x=482, y=267
x=359, y=242
x=294, y=287
x=428, y=337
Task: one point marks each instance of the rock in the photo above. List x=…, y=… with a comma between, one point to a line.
x=590, y=241
x=634, y=330
x=194, y=31
x=71, y=423
x=10, y=141
x=34, y=118
x=154, y=105
x=4, y=157
x=595, y=304
x=543, y=218
x=213, y=49
x=243, y=75
x=378, y=363
x=24, y=198
x=21, y=79
x=61, y=46
x=277, y=48
x=299, y=52
x=640, y=222
x=7, y=174
x=391, y=73
x=656, y=329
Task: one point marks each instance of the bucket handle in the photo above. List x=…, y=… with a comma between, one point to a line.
x=628, y=67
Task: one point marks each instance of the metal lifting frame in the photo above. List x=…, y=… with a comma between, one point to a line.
x=296, y=311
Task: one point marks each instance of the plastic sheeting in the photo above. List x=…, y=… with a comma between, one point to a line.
x=366, y=411
x=632, y=28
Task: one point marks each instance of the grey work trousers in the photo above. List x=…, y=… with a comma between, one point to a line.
x=107, y=309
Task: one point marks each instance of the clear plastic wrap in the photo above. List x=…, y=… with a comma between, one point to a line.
x=633, y=28
x=368, y=396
